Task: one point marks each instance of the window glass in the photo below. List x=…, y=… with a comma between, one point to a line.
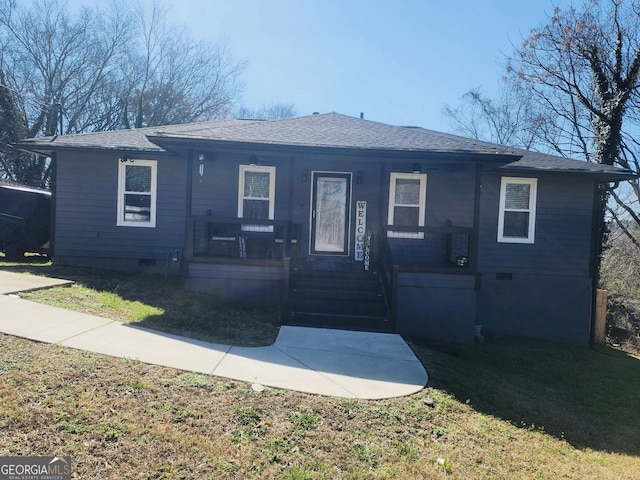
x=516, y=224
x=517, y=196
x=406, y=216
x=256, y=184
x=138, y=178
x=256, y=209
x=407, y=191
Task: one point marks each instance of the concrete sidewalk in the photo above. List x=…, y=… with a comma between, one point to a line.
x=321, y=361
x=24, y=282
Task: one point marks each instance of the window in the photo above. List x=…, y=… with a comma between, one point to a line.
x=407, y=195
x=256, y=195
x=137, y=193
x=517, y=217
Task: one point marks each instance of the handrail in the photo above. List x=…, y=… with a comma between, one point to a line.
x=237, y=221
x=430, y=229
x=417, y=266
x=390, y=268
x=388, y=273
x=284, y=232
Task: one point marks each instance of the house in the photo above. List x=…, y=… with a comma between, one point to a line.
x=342, y=221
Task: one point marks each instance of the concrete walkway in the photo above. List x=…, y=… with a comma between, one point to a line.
x=321, y=361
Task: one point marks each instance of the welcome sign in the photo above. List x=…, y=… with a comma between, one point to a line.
x=361, y=228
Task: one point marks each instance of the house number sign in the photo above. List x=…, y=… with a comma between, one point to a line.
x=361, y=228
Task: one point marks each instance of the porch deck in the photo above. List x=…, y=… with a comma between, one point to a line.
x=436, y=264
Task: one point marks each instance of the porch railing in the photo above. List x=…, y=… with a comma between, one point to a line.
x=446, y=250
x=241, y=239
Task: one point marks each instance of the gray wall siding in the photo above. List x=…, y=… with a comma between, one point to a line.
x=563, y=229
x=551, y=307
x=450, y=196
x=216, y=191
x=542, y=289
x=87, y=190
x=256, y=284
x=437, y=307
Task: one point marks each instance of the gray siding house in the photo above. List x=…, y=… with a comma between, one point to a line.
x=341, y=221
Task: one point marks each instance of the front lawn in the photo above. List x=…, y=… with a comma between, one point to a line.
x=155, y=302
x=509, y=408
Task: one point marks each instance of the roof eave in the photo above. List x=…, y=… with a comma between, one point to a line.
x=602, y=177
x=48, y=150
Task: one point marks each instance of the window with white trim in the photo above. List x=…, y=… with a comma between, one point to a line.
x=256, y=195
x=137, y=184
x=517, y=217
x=407, y=198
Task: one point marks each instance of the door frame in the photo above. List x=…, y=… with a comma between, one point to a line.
x=348, y=176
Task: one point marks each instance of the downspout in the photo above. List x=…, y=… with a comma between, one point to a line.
x=189, y=226
x=474, y=244
x=53, y=182
x=597, y=237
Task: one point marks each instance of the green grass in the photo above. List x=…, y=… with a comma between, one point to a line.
x=572, y=393
x=509, y=408
x=155, y=302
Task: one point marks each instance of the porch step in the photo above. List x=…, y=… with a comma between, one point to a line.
x=334, y=281
x=352, y=294
x=367, y=324
x=337, y=298
x=329, y=305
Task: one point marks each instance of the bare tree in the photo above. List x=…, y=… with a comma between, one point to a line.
x=177, y=79
x=57, y=65
x=57, y=68
x=579, y=74
x=272, y=111
x=103, y=70
x=511, y=120
x=584, y=68
x=12, y=128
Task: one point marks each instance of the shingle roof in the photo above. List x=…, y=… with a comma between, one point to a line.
x=131, y=140
x=333, y=130
x=330, y=130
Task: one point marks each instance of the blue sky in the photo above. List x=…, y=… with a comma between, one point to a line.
x=398, y=61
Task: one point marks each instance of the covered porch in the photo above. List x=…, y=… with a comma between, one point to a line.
x=419, y=281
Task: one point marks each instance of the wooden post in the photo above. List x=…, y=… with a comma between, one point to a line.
x=284, y=303
x=601, y=317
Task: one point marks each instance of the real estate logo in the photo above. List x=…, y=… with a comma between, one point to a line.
x=35, y=468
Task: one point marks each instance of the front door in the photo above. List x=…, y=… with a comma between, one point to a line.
x=331, y=204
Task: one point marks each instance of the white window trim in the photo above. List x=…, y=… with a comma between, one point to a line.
x=122, y=166
x=272, y=195
x=533, y=192
x=422, y=177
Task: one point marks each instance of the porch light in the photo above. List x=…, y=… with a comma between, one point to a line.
x=125, y=159
x=416, y=168
x=201, y=166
